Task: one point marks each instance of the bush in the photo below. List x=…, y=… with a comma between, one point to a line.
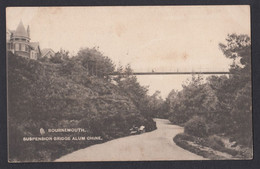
x=196, y=127
x=216, y=141
x=56, y=59
x=214, y=128
x=179, y=119
x=44, y=59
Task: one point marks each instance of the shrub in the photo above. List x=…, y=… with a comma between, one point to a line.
x=178, y=118
x=214, y=128
x=44, y=59
x=216, y=141
x=196, y=127
x=56, y=59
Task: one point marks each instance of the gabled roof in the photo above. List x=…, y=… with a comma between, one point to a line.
x=9, y=34
x=10, y=31
x=35, y=46
x=20, y=30
x=46, y=50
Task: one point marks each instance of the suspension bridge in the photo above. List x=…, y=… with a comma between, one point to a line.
x=174, y=73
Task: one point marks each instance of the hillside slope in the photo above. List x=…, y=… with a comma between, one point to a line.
x=52, y=96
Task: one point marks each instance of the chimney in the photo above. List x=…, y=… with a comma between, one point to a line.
x=28, y=31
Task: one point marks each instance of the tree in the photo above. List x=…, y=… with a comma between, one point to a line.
x=120, y=71
x=95, y=62
x=196, y=98
x=156, y=104
x=57, y=58
x=128, y=70
x=60, y=56
x=134, y=90
x=238, y=48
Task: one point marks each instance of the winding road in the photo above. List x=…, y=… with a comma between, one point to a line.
x=155, y=145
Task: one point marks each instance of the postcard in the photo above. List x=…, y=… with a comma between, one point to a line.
x=129, y=83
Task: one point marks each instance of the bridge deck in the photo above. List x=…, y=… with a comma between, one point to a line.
x=174, y=73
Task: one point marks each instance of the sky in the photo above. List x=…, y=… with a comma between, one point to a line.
x=159, y=38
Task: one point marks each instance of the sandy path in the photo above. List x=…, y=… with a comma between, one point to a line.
x=155, y=145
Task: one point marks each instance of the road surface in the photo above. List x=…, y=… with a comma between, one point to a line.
x=155, y=145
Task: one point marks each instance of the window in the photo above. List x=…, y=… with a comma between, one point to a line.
x=9, y=46
x=16, y=47
x=20, y=46
x=32, y=54
x=23, y=47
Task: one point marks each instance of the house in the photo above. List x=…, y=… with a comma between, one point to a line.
x=35, y=51
x=47, y=52
x=18, y=42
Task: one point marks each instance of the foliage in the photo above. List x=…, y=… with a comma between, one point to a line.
x=242, y=116
x=196, y=98
x=156, y=105
x=196, y=127
x=57, y=58
x=223, y=101
x=129, y=85
x=47, y=95
x=95, y=62
x=238, y=48
x=120, y=71
x=209, y=147
x=44, y=59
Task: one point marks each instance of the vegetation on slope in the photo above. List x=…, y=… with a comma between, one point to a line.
x=63, y=93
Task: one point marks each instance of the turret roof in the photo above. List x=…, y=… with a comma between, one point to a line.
x=20, y=30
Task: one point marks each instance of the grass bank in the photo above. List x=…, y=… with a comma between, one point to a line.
x=212, y=147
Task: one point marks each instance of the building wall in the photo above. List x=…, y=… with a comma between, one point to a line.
x=19, y=46
x=22, y=49
x=23, y=54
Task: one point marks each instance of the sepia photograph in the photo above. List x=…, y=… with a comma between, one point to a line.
x=129, y=83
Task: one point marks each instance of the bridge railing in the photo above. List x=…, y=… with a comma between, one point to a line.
x=172, y=73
